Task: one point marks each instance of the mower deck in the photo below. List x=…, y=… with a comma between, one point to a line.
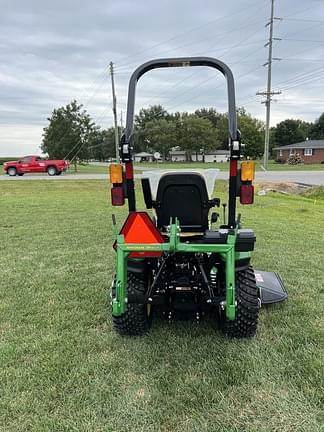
x=271, y=287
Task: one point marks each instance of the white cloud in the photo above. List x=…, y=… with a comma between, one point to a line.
x=53, y=52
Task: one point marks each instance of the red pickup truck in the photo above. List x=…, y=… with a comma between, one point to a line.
x=35, y=164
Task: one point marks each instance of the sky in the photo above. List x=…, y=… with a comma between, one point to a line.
x=54, y=52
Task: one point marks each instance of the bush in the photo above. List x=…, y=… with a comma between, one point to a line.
x=295, y=159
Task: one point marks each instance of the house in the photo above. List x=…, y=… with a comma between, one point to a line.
x=217, y=156
x=178, y=155
x=143, y=157
x=208, y=156
x=311, y=151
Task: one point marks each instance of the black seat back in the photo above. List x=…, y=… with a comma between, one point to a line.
x=184, y=196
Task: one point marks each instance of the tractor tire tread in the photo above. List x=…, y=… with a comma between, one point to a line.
x=248, y=305
x=134, y=322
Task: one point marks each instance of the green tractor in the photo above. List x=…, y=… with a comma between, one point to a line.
x=174, y=263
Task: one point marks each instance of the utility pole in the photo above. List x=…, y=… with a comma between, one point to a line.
x=121, y=121
x=268, y=93
x=114, y=110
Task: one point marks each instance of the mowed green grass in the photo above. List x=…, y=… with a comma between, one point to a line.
x=64, y=369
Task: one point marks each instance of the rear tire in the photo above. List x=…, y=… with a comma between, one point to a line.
x=51, y=171
x=248, y=304
x=12, y=171
x=136, y=321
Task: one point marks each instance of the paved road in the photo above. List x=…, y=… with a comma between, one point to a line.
x=307, y=177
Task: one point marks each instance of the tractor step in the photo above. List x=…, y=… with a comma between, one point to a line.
x=271, y=287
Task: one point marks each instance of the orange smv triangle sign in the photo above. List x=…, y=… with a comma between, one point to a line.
x=139, y=229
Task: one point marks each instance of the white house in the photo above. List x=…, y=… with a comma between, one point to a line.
x=143, y=157
x=217, y=156
x=210, y=156
x=178, y=155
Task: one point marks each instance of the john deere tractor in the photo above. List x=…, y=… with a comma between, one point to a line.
x=171, y=260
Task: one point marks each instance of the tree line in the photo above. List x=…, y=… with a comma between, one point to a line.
x=71, y=133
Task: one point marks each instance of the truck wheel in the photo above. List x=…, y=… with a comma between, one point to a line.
x=136, y=321
x=12, y=171
x=51, y=171
x=248, y=304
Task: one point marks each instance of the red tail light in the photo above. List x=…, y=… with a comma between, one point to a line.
x=117, y=196
x=247, y=194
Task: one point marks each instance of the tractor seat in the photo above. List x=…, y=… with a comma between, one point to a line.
x=185, y=196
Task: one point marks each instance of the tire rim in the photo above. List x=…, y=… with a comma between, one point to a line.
x=51, y=171
x=11, y=171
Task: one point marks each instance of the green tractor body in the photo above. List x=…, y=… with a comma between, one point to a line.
x=174, y=263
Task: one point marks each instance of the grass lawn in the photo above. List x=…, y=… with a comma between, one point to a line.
x=64, y=369
x=89, y=169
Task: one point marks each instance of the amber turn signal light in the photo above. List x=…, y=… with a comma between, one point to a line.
x=247, y=170
x=116, y=173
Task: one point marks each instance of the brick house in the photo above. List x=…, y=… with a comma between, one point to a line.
x=311, y=151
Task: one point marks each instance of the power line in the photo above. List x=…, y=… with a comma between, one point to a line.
x=193, y=29
x=212, y=77
x=223, y=35
x=304, y=20
x=300, y=76
x=303, y=40
x=102, y=115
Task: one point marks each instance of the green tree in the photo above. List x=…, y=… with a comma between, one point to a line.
x=146, y=115
x=154, y=112
x=290, y=131
x=317, y=129
x=158, y=130
x=219, y=122
x=160, y=135
x=69, y=133
x=102, y=146
x=197, y=134
x=252, y=131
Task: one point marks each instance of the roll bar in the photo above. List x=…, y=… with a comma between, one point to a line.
x=126, y=141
